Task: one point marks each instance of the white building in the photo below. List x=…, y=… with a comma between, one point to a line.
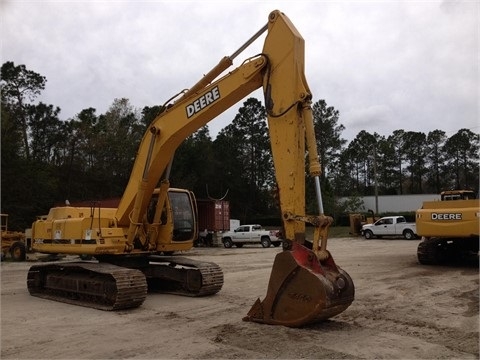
x=395, y=203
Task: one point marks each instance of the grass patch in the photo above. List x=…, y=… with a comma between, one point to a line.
x=333, y=232
x=339, y=232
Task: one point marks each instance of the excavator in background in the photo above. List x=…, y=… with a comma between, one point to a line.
x=449, y=228
x=132, y=244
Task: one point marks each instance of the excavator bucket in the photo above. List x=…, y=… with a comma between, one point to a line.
x=303, y=290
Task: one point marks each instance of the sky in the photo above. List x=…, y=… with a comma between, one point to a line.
x=384, y=65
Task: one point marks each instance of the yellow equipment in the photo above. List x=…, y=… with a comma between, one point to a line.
x=449, y=228
x=305, y=285
x=13, y=242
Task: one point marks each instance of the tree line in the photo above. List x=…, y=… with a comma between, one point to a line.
x=46, y=160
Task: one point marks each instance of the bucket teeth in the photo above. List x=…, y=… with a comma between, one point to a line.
x=256, y=312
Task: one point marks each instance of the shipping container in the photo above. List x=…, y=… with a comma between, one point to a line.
x=213, y=215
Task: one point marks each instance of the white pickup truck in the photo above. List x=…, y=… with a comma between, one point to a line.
x=390, y=226
x=251, y=234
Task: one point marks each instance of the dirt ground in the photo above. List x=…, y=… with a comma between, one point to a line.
x=402, y=310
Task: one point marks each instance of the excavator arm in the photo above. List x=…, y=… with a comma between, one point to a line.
x=305, y=285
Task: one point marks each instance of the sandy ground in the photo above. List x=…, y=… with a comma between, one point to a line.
x=402, y=310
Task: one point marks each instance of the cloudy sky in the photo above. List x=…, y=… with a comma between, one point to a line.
x=385, y=65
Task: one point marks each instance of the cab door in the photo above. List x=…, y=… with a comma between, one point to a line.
x=242, y=234
x=256, y=233
x=389, y=227
x=384, y=227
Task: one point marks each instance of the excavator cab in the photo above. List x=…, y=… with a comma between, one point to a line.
x=176, y=215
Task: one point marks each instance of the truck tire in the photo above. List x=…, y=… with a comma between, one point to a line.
x=408, y=234
x=265, y=241
x=368, y=234
x=227, y=243
x=17, y=251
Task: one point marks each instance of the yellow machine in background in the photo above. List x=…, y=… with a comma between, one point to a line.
x=130, y=242
x=449, y=228
x=13, y=242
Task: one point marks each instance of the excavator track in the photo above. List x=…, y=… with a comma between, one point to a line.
x=183, y=276
x=96, y=285
x=438, y=251
x=120, y=283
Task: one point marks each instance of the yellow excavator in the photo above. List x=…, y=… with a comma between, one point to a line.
x=132, y=244
x=449, y=228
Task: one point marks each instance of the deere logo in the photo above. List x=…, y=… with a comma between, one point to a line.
x=446, y=216
x=203, y=101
